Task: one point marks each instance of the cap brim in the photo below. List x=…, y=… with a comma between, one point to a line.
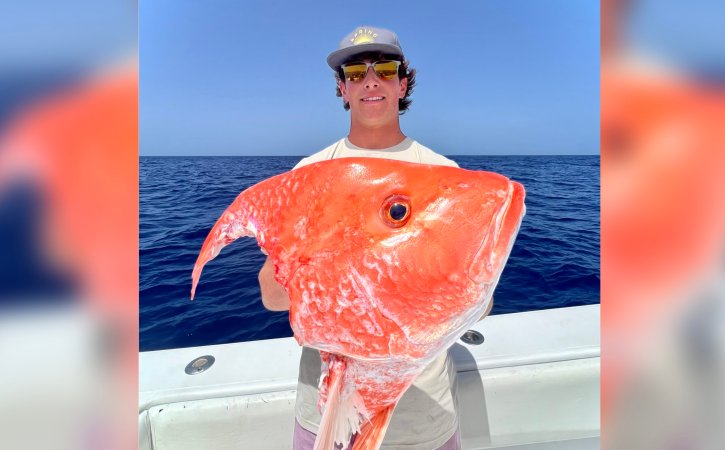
x=336, y=58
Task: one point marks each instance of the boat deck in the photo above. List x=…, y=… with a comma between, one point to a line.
x=533, y=384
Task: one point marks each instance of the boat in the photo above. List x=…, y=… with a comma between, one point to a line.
x=526, y=381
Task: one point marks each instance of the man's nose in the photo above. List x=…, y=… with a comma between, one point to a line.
x=371, y=79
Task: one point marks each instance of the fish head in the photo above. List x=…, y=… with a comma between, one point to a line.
x=420, y=250
x=386, y=264
x=379, y=257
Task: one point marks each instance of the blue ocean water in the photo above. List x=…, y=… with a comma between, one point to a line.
x=554, y=263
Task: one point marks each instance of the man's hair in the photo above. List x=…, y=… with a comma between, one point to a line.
x=404, y=71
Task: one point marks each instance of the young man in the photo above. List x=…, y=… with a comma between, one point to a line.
x=375, y=82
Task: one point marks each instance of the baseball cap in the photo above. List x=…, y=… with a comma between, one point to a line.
x=365, y=39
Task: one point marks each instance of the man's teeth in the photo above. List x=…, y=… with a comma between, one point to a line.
x=371, y=99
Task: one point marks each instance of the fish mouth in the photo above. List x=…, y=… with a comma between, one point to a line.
x=488, y=262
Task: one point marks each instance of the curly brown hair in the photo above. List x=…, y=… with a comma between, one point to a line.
x=404, y=71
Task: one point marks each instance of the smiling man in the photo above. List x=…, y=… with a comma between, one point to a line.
x=375, y=82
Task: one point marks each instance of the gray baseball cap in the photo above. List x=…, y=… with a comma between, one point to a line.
x=365, y=39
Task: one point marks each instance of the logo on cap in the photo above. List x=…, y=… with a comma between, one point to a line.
x=363, y=36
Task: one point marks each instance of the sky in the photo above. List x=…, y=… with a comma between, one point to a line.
x=250, y=78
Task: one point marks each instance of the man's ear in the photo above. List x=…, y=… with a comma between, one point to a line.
x=343, y=90
x=403, y=87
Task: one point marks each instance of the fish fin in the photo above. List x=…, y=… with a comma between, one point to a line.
x=373, y=432
x=343, y=412
x=231, y=225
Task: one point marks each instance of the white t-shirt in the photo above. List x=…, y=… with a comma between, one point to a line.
x=425, y=417
x=408, y=150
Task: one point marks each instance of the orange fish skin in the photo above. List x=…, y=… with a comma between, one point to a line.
x=387, y=296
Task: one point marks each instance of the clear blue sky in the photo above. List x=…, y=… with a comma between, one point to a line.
x=250, y=78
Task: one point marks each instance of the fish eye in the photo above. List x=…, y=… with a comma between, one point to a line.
x=398, y=211
x=395, y=211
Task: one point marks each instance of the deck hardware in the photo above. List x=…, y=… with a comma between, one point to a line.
x=472, y=337
x=199, y=365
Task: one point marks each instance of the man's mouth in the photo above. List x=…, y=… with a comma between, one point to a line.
x=373, y=99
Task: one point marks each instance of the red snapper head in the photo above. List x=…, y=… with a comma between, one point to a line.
x=380, y=258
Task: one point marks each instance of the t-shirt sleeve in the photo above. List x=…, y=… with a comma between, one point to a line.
x=314, y=158
x=317, y=157
x=303, y=162
x=443, y=161
x=428, y=156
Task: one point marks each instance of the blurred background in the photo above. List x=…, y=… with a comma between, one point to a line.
x=663, y=224
x=68, y=224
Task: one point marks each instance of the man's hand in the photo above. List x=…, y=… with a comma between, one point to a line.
x=274, y=297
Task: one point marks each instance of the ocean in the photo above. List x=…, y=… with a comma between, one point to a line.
x=554, y=263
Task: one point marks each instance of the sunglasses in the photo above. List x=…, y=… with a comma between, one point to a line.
x=356, y=71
